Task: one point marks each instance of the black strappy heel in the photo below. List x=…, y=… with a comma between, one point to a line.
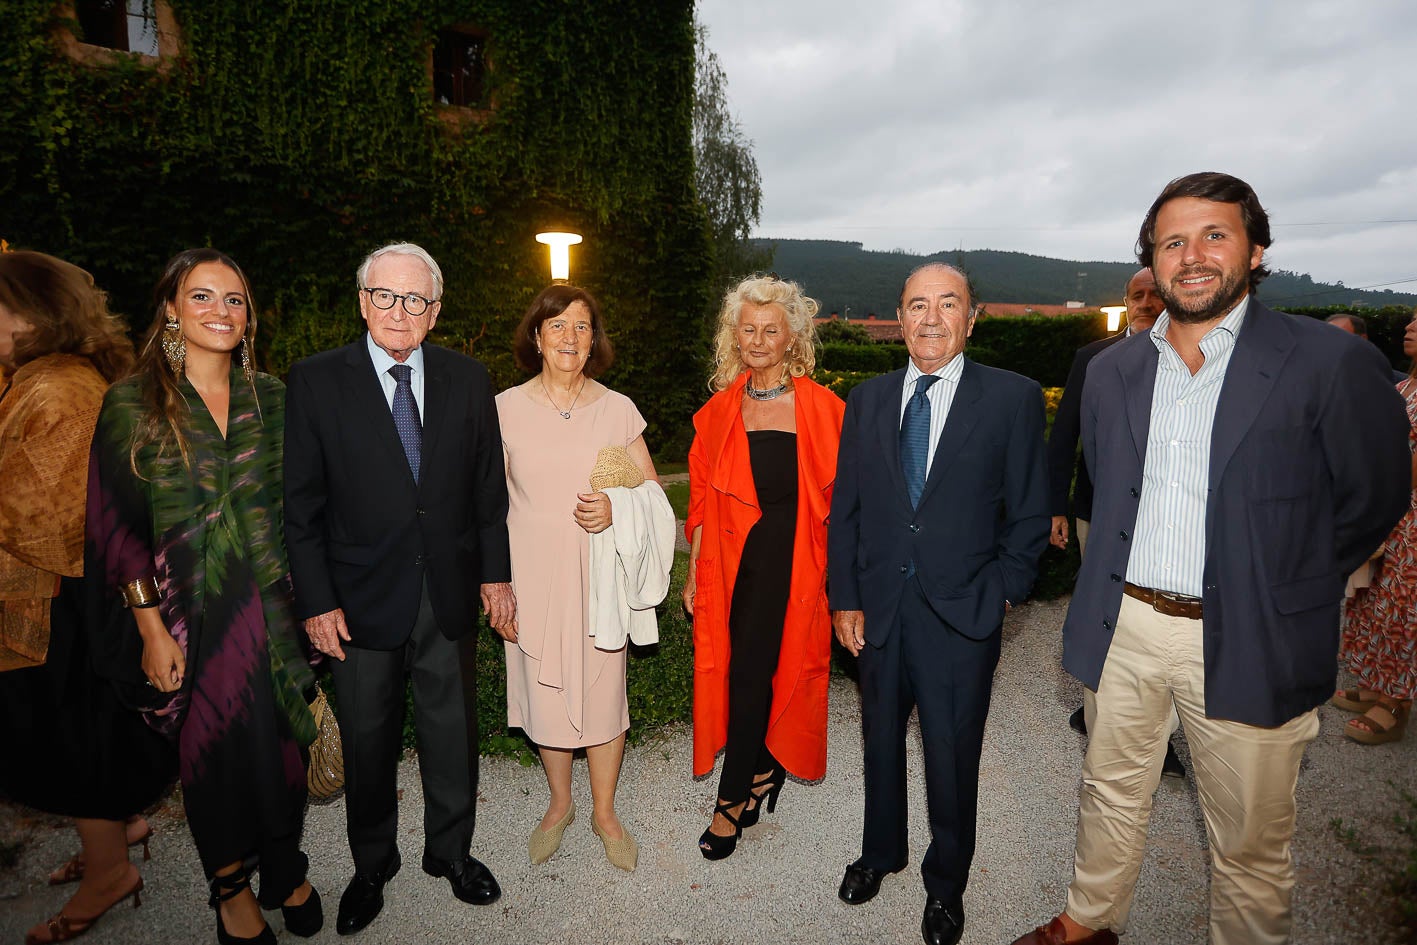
x=773, y=785
x=226, y=888
x=716, y=847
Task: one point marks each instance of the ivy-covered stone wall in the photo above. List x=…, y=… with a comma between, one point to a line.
x=298, y=136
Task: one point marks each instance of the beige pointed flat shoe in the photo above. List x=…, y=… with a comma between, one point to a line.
x=544, y=843
x=623, y=853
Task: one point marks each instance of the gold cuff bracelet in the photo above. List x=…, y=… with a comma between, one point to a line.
x=140, y=593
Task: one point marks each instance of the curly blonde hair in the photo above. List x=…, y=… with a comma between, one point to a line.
x=801, y=357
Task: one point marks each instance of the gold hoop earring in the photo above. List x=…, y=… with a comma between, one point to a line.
x=174, y=346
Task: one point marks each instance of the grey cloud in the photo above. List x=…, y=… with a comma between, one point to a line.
x=1049, y=128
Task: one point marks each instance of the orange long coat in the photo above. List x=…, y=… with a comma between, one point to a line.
x=723, y=500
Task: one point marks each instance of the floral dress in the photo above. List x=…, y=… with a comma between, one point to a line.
x=1380, y=634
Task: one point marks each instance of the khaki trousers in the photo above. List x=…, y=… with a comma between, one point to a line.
x=1089, y=698
x=1245, y=777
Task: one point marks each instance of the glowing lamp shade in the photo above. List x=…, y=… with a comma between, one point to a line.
x=560, y=246
x=1114, y=315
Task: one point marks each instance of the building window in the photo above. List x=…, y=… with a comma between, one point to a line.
x=127, y=25
x=460, y=69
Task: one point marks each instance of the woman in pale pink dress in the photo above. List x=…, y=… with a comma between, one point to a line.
x=562, y=691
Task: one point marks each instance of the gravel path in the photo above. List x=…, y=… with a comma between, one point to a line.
x=780, y=886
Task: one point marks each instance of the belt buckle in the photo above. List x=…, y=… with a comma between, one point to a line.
x=1176, y=605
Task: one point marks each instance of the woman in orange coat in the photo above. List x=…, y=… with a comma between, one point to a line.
x=760, y=478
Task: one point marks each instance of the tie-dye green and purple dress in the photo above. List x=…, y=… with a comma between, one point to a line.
x=210, y=532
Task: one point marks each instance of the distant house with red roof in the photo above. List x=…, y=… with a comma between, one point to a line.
x=886, y=328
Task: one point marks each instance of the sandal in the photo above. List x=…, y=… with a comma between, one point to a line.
x=61, y=927
x=1383, y=722
x=1354, y=700
x=73, y=870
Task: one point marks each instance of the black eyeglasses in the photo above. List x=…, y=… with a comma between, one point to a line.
x=384, y=300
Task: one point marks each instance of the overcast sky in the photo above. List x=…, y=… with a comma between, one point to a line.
x=1048, y=127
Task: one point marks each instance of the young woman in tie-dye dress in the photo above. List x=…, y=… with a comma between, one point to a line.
x=185, y=515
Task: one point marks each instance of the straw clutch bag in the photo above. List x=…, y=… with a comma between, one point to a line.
x=614, y=467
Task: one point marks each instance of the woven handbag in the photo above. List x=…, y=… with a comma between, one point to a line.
x=614, y=467
x=326, y=776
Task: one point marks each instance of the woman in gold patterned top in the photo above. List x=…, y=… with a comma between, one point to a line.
x=70, y=747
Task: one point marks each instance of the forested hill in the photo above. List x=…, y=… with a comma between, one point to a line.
x=841, y=274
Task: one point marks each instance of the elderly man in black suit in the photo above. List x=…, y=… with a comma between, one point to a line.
x=1246, y=461
x=396, y=507
x=938, y=518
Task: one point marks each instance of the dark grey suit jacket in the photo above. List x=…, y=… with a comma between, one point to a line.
x=1309, y=471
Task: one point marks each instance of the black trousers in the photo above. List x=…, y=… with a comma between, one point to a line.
x=369, y=685
x=949, y=677
x=755, y=646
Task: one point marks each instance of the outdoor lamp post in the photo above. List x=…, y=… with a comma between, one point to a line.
x=1113, y=312
x=560, y=247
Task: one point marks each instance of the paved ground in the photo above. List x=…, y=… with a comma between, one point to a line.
x=780, y=886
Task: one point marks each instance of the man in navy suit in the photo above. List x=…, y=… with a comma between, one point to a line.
x=939, y=515
x=1245, y=462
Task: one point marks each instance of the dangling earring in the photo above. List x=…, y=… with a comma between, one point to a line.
x=247, y=368
x=174, y=346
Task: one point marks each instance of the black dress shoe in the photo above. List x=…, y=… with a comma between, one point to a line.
x=1078, y=721
x=861, y=883
x=363, y=898
x=1171, y=766
x=471, y=881
x=942, y=925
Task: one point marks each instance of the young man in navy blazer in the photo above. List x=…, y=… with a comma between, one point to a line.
x=1245, y=462
x=938, y=518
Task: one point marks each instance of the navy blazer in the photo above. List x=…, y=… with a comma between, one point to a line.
x=982, y=521
x=361, y=534
x=1063, y=456
x=1309, y=471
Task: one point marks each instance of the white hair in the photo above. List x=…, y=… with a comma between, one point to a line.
x=403, y=249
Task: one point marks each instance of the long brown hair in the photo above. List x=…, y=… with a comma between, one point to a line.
x=66, y=312
x=167, y=405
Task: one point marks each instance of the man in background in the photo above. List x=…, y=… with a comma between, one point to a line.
x=1143, y=307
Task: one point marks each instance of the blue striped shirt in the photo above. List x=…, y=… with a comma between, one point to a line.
x=1168, y=542
x=941, y=395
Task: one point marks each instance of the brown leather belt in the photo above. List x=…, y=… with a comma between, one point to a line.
x=1165, y=602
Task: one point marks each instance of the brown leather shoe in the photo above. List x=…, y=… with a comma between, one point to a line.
x=1054, y=934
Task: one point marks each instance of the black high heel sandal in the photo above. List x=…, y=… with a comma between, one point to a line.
x=226, y=888
x=771, y=787
x=716, y=847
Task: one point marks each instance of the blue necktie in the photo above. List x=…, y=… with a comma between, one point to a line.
x=915, y=438
x=406, y=418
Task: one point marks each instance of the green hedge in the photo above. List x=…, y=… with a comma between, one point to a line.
x=873, y=358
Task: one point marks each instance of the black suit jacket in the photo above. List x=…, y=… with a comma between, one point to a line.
x=1063, y=455
x=361, y=535
x=1309, y=471
x=983, y=517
